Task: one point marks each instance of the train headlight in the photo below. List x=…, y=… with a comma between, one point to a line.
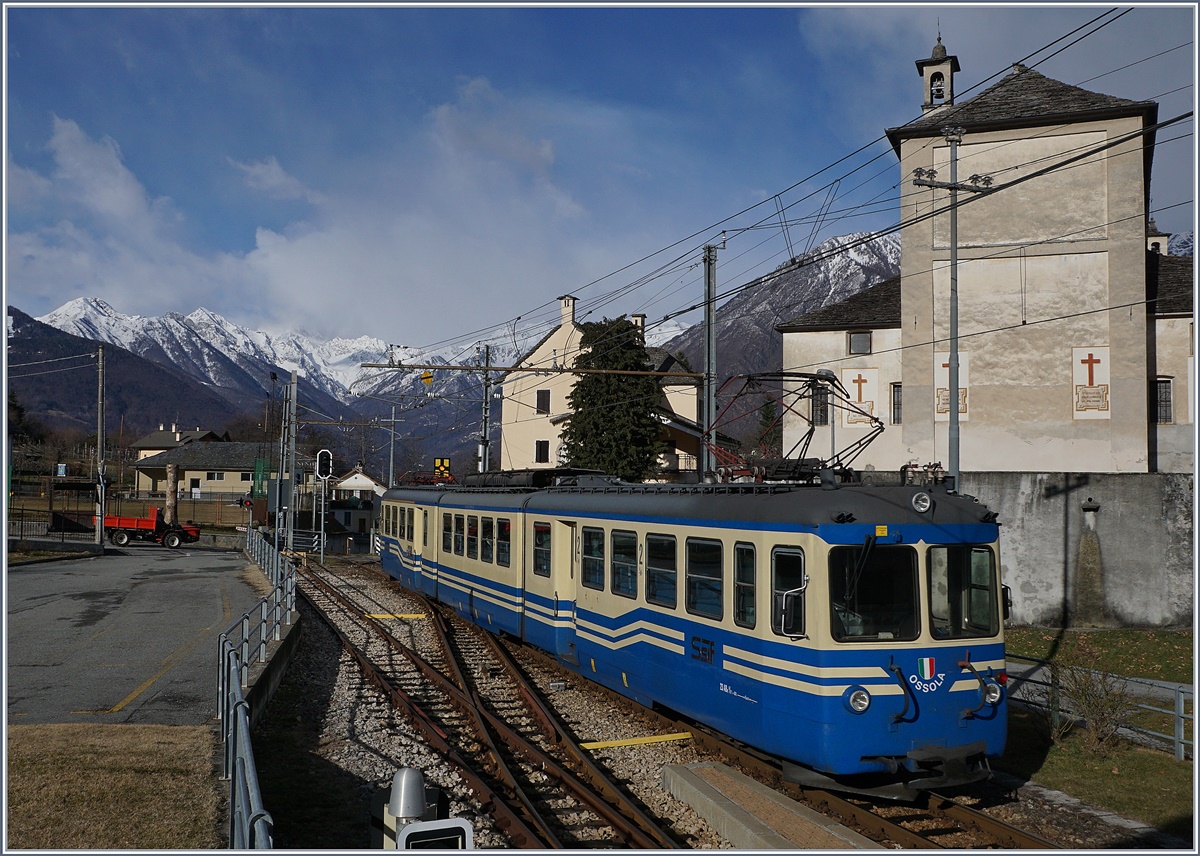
x=857, y=699
x=921, y=502
x=992, y=693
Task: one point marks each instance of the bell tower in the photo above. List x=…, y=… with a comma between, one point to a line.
x=937, y=75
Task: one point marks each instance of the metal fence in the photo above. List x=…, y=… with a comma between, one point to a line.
x=43, y=525
x=240, y=646
x=1050, y=697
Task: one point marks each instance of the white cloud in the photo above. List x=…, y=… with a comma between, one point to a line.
x=103, y=235
x=270, y=178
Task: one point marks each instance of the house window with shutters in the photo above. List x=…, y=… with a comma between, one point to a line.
x=541, y=452
x=543, y=401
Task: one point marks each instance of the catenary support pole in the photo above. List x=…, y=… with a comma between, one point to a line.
x=100, y=498
x=707, y=439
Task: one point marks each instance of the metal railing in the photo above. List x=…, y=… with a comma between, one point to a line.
x=239, y=646
x=1180, y=717
x=1052, y=699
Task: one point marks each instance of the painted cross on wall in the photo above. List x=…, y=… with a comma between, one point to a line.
x=1090, y=383
x=862, y=388
x=941, y=383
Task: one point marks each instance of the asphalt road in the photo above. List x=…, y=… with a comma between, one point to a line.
x=129, y=637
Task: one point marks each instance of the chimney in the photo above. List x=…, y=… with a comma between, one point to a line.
x=162, y=427
x=568, y=309
x=639, y=321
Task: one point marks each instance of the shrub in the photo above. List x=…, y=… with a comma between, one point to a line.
x=1099, y=699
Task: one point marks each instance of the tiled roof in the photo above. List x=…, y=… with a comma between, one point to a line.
x=215, y=456
x=1170, y=285
x=168, y=439
x=875, y=308
x=1023, y=99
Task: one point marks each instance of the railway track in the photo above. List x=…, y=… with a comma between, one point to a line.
x=937, y=822
x=465, y=697
x=477, y=701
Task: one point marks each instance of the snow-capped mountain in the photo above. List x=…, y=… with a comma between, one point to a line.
x=237, y=363
x=210, y=348
x=746, y=338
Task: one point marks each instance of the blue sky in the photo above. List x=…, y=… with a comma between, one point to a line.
x=424, y=174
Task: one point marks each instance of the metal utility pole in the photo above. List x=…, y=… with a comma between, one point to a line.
x=978, y=184
x=707, y=465
x=291, y=515
x=486, y=428
x=100, y=444
x=954, y=137
x=392, y=453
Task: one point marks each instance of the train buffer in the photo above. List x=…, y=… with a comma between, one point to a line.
x=752, y=816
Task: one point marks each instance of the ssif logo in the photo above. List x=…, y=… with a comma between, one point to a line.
x=927, y=679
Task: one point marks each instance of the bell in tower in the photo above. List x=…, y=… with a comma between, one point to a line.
x=937, y=73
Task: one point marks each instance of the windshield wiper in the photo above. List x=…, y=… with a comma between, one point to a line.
x=859, y=567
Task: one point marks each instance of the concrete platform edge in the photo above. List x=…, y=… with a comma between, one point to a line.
x=264, y=677
x=738, y=826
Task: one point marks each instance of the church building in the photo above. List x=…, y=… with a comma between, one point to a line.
x=1074, y=328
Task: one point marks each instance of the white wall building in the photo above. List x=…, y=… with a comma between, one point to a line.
x=1075, y=334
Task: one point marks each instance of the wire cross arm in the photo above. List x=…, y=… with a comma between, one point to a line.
x=559, y=370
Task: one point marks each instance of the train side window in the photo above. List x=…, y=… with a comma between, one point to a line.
x=962, y=592
x=425, y=529
x=661, y=575
x=704, y=582
x=408, y=527
x=743, y=585
x=623, y=563
x=487, y=539
x=873, y=593
x=472, y=536
x=541, y=549
x=592, y=566
x=460, y=534
x=447, y=534
x=504, y=542
x=788, y=582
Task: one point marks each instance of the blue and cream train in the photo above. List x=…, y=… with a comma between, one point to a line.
x=854, y=631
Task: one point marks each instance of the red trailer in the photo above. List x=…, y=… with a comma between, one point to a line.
x=122, y=530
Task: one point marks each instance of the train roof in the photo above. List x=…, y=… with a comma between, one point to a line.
x=766, y=503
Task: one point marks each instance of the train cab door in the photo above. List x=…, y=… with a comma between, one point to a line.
x=564, y=572
x=549, y=613
x=434, y=536
x=418, y=537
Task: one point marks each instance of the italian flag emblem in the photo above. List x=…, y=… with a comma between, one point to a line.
x=925, y=668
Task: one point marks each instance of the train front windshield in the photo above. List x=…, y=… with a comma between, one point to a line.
x=875, y=592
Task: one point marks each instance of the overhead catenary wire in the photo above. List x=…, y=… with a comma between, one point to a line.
x=710, y=229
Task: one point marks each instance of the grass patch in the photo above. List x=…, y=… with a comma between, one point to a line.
x=1129, y=780
x=107, y=787
x=1165, y=655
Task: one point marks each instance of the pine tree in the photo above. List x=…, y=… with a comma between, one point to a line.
x=613, y=425
x=768, y=438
